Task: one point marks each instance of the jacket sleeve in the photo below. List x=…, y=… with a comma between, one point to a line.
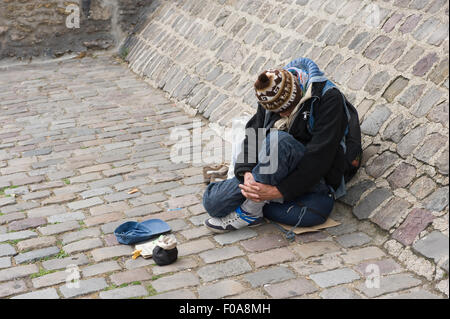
x=328, y=130
x=244, y=162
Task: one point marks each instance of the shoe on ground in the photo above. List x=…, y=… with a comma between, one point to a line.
x=214, y=173
x=233, y=221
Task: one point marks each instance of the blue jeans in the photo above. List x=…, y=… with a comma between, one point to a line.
x=222, y=198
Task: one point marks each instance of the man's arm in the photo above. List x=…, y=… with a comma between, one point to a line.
x=320, y=152
x=244, y=162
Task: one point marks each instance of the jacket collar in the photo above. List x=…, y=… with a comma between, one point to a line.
x=317, y=88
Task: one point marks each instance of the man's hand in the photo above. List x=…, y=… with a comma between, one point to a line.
x=248, y=178
x=256, y=191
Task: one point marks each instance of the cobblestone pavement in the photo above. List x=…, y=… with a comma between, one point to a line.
x=76, y=136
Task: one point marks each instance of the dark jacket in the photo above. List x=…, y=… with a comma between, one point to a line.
x=324, y=156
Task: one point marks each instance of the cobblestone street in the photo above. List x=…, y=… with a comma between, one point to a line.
x=76, y=136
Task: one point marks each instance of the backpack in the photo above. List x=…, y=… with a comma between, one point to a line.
x=351, y=141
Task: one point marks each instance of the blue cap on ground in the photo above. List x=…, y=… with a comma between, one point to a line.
x=133, y=232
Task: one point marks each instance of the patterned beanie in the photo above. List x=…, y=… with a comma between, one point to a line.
x=277, y=90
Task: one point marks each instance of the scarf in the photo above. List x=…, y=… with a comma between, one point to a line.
x=303, y=80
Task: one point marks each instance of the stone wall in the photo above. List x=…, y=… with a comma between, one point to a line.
x=38, y=27
x=389, y=57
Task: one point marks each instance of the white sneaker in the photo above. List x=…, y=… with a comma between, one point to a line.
x=233, y=221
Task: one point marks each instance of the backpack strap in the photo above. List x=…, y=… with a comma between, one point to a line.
x=330, y=85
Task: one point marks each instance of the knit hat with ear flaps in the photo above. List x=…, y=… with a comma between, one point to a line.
x=277, y=90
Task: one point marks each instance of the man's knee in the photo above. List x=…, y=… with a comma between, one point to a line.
x=282, y=138
x=213, y=200
x=279, y=143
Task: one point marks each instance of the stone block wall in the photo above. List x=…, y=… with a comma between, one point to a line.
x=390, y=57
x=38, y=27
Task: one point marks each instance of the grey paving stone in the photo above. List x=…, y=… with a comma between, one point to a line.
x=38, y=242
x=425, y=29
x=431, y=146
x=410, y=23
x=61, y=218
x=316, y=248
x=402, y=176
x=12, y=288
x=335, y=277
x=176, y=294
x=371, y=202
x=410, y=141
x=434, y=245
x=395, y=88
x=230, y=268
x=391, y=213
x=82, y=245
x=375, y=120
x=18, y=272
x=147, y=199
x=177, y=281
x=17, y=235
x=220, y=290
x=96, y=192
x=354, y=193
x=121, y=196
x=124, y=293
x=143, y=210
x=7, y=201
x=194, y=247
x=59, y=228
x=131, y=183
x=100, y=254
x=179, y=265
x=5, y=262
x=373, y=86
x=53, y=264
x=426, y=103
x=7, y=250
x=291, y=288
x=85, y=203
x=376, y=47
x=232, y=237
x=36, y=255
x=138, y=263
x=37, y=152
x=269, y=276
x=150, y=189
x=417, y=294
x=83, y=287
x=339, y=293
x=212, y=256
x=68, y=238
x=11, y=217
x=438, y=200
x=354, y=239
x=46, y=211
x=105, y=182
x=411, y=95
x=129, y=276
x=51, y=279
x=358, y=255
x=388, y=284
x=385, y=267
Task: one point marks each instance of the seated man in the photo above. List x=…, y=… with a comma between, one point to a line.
x=305, y=155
